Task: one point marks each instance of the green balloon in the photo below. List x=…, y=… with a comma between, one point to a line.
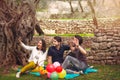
x=54, y=76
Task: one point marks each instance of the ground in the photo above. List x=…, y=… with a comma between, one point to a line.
x=105, y=72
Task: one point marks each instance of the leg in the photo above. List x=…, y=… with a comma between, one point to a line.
x=80, y=65
x=25, y=68
x=69, y=71
x=28, y=66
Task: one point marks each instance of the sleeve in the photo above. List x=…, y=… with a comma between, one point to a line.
x=27, y=47
x=50, y=52
x=66, y=47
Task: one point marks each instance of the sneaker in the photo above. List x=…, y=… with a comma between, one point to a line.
x=91, y=66
x=81, y=72
x=18, y=74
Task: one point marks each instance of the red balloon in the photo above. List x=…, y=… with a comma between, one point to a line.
x=50, y=68
x=58, y=69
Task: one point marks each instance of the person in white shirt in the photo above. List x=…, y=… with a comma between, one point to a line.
x=37, y=56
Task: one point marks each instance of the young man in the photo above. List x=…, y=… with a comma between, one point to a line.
x=56, y=52
x=76, y=57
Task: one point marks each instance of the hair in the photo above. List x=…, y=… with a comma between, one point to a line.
x=79, y=38
x=57, y=38
x=43, y=45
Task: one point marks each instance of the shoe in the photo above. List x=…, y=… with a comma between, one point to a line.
x=81, y=72
x=18, y=74
x=91, y=66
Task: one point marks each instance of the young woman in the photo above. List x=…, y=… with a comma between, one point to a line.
x=76, y=58
x=56, y=52
x=37, y=56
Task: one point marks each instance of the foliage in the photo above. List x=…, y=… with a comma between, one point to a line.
x=69, y=35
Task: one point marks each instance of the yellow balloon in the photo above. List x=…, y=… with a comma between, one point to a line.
x=62, y=74
x=41, y=68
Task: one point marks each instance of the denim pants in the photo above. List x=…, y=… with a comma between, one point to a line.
x=77, y=65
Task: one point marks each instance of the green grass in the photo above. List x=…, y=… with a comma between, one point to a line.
x=68, y=35
x=105, y=72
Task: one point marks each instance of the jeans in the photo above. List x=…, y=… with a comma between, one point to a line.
x=78, y=65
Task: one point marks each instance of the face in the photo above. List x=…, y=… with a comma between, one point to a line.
x=39, y=45
x=75, y=40
x=72, y=46
x=55, y=42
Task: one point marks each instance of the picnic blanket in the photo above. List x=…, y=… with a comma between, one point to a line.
x=68, y=76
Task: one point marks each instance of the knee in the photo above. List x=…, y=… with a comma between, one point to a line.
x=68, y=57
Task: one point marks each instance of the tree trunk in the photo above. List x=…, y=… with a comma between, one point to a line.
x=94, y=2
x=72, y=11
x=93, y=14
x=17, y=19
x=79, y=1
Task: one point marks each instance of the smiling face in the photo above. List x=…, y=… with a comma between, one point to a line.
x=55, y=42
x=39, y=45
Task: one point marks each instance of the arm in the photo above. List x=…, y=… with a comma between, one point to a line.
x=49, y=56
x=25, y=46
x=49, y=59
x=82, y=50
x=67, y=47
x=79, y=47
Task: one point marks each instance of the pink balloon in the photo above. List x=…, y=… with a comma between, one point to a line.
x=56, y=64
x=50, y=68
x=48, y=74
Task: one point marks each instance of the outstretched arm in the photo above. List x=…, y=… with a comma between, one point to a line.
x=25, y=46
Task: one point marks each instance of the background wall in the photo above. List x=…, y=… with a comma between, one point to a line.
x=104, y=46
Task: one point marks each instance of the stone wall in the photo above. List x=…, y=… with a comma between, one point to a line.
x=104, y=47
x=66, y=26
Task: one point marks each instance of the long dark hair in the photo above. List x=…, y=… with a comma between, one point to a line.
x=43, y=45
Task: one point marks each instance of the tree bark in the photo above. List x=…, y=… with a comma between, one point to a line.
x=79, y=1
x=17, y=19
x=72, y=11
x=93, y=14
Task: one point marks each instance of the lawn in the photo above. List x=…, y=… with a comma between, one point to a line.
x=105, y=72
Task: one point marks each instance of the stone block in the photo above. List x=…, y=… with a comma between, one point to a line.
x=90, y=57
x=95, y=46
x=103, y=46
